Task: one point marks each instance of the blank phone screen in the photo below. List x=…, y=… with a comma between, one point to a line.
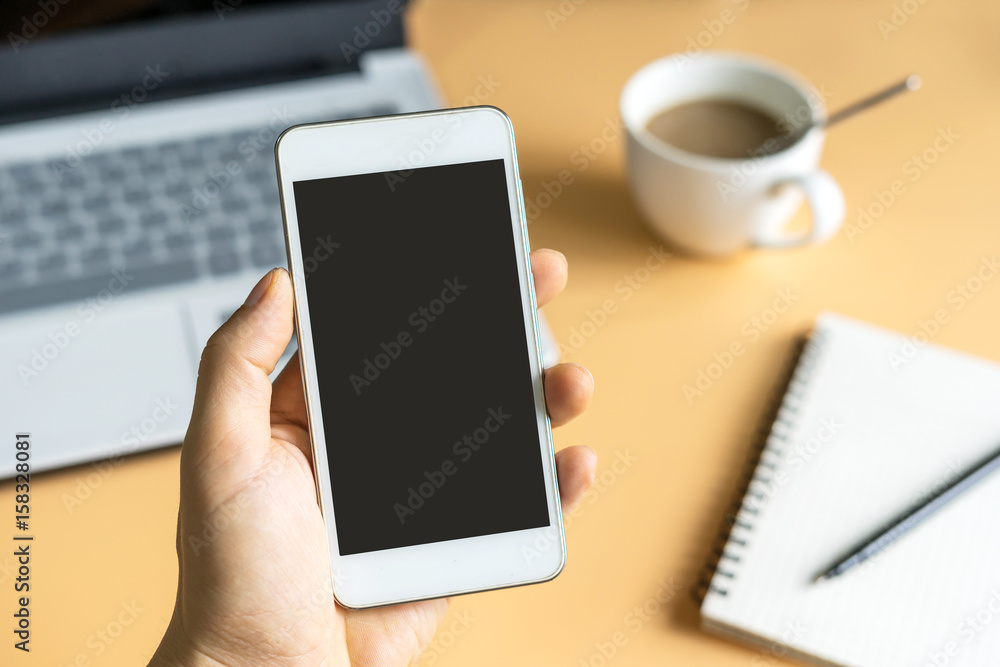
x=421, y=355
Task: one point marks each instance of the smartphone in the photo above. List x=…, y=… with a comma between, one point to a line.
x=416, y=324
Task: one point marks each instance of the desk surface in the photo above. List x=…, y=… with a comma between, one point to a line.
x=649, y=524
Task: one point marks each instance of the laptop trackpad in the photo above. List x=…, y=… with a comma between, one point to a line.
x=87, y=385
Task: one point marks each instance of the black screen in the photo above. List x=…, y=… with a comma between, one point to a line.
x=421, y=355
x=27, y=18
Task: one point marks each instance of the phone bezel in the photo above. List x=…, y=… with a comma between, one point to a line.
x=397, y=142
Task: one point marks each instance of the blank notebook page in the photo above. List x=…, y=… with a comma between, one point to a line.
x=864, y=433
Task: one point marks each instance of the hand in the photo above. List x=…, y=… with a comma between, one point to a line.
x=254, y=583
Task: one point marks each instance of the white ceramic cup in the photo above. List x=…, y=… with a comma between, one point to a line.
x=717, y=206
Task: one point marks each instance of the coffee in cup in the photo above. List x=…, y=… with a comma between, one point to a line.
x=721, y=149
x=718, y=128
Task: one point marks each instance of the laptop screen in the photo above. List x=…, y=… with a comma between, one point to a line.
x=70, y=55
x=29, y=19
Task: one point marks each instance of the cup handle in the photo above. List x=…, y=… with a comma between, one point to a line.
x=826, y=201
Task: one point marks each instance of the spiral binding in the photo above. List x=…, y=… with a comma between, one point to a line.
x=770, y=437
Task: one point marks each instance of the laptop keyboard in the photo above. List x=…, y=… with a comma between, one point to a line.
x=161, y=214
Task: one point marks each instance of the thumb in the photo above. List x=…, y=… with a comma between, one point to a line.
x=230, y=422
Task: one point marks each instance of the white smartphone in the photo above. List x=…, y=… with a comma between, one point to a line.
x=416, y=324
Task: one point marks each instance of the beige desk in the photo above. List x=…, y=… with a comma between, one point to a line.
x=653, y=516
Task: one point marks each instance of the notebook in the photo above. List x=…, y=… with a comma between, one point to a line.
x=871, y=423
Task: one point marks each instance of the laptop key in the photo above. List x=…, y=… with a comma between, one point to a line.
x=26, y=239
x=101, y=160
x=70, y=232
x=268, y=255
x=10, y=269
x=152, y=168
x=97, y=201
x=221, y=235
x=168, y=149
x=79, y=288
x=137, y=250
x=191, y=161
x=260, y=175
x=70, y=177
x=235, y=205
x=60, y=221
x=137, y=195
x=53, y=263
x=112, y=173
x=181, y=190
x=31, y=172
x=177, y=270
x=21, y=172
x=264, y=226
x=224, y=263
x=178, y=241
x=13, y=216
x=54, y=209
x=154, y=219
x=111, y=224
x=133, y=154
x=98, y=256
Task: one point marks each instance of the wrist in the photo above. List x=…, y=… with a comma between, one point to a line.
x=176, y=651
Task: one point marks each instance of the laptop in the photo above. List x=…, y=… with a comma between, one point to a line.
x=138, y=196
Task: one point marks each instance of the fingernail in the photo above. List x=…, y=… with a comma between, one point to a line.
x=259, y=289
x=582, y=368
x=553, y=250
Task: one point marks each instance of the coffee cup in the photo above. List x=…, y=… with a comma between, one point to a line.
x=721, y=150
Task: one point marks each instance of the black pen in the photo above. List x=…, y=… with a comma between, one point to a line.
x=902, y=525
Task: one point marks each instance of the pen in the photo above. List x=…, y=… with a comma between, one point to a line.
x=905, y=522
